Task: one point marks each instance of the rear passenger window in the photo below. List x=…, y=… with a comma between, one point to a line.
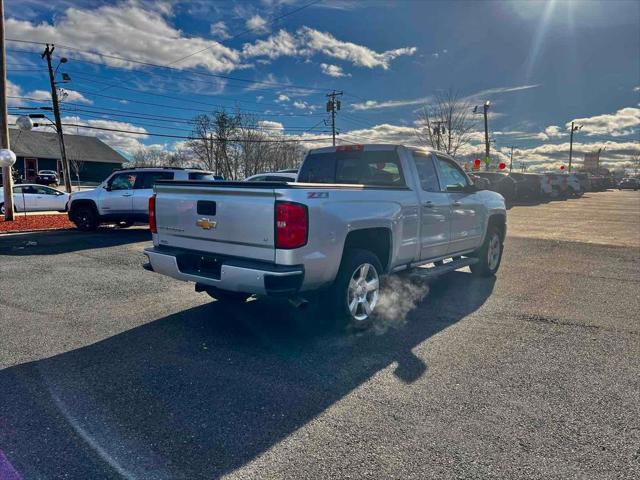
x=426, y=173
x=319, y=168
x=148, y=179
x=202, y=176
x=376, y=168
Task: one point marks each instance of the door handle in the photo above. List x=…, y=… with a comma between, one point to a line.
x=456, y=203
x=127, y=194
x=428, y=204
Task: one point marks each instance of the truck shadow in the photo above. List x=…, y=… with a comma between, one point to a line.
x=51, y=243
x=202, y=392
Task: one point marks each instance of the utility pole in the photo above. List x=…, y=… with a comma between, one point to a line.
x=573, y=129
x=511, y=158
x=7, y=180
x=333, y=106
x=66, y=171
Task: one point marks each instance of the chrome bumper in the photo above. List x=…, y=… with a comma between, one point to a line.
x=232, y=277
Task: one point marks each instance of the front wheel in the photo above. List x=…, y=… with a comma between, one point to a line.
x=86, y=219
x=356, y=290
x=489, y=254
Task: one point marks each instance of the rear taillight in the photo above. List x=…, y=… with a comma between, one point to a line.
x=152, y=214
x=292, y=225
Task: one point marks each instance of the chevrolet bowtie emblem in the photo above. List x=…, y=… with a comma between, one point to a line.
x=206, y=224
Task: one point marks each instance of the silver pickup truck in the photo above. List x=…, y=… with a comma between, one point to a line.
x=355, y=213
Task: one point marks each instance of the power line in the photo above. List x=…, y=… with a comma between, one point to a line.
x=91, y=77
x=141, y=102
x=151, y=134
x=110, y=116
x=155, y=65
x=248, y=30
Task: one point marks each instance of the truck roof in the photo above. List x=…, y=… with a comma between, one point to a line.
x=370, y=147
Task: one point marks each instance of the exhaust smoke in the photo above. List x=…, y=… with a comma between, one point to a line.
x=399, y=295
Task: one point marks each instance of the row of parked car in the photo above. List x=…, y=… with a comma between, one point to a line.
x=527, y=187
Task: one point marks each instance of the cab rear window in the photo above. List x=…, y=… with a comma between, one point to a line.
x=376, y=168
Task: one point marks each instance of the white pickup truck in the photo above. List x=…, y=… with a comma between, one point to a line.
x=355, y=213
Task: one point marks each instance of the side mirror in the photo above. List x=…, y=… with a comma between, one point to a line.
x=107, y=187
x=470, y=188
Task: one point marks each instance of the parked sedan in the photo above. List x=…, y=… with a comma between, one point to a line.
x=629, y=183
x=47, y=177
x=528, y=186
x=36, y=198
x=501, y=183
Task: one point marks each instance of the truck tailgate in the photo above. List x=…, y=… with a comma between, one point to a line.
x=226, y=220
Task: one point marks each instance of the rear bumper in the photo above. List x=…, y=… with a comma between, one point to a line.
x=226, y=273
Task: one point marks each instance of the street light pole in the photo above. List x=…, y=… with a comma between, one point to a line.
x=511, y=158
x=486, y=132
x=574, y=128
x=56, y=113
x=7, y=180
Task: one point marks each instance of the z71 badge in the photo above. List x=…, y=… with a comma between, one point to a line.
x=317, y=194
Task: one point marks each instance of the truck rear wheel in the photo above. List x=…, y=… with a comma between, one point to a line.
x=356, y=290
x=489, y=254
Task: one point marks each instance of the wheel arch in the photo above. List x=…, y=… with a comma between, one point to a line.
x=377, y=240
x=75, y=204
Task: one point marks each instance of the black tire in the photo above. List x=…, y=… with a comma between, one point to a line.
x=85, y=218
x=486, y=266
x=226, y=296
x=340, y=292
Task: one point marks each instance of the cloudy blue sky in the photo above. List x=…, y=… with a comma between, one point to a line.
x=542, y=64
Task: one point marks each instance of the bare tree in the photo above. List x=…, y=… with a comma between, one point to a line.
x=447, y=123
x=235, y=146
x=157, y=157
x=635, y=161
x=213, y=138
x=76, y=167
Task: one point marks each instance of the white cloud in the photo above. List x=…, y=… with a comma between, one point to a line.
x=220, y=30
x=282, y=44
x=125, y=142
x=13, y=90
x=71, y=96
x=128, y=30
x=270, y=125
x=623, y=122
x=374, y=104
x=333, y=70
x=308, y=41
x=435, y=55
x=359, y=55
x=282, y=98
x=636, y=89
x=490, y=92
x=257, y=24
x=552, y=131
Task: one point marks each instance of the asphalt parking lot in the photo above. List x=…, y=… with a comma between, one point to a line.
x=110, y=371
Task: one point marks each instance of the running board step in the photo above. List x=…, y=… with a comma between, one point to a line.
x=432, y=272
